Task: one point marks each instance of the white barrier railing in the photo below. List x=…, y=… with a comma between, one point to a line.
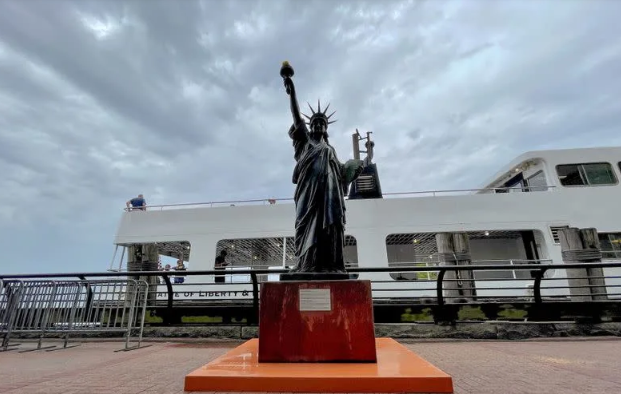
x=59, y=308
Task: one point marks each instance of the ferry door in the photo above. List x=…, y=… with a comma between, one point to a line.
x=530, y=247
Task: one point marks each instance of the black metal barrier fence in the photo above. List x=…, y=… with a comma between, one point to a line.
x=442, y=304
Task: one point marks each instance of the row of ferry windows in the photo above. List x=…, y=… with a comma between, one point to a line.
x=584, y=174
x=417, y=249
x=587, y=174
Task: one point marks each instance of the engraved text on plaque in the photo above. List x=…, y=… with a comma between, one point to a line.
x=315, y=300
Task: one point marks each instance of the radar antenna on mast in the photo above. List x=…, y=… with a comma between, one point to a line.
x=368, y=145
x=367, y=185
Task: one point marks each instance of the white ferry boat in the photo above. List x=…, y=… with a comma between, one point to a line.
x=513, y=219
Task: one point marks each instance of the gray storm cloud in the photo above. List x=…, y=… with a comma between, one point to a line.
x=182, y=101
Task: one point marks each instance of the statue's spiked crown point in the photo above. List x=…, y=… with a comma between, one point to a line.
x=319, y=114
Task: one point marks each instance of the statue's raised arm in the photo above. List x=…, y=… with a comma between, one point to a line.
x=286, y=72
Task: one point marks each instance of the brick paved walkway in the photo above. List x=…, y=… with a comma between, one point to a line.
x=535, y=366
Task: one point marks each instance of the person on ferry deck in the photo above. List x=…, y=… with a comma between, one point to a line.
x=220, y=263
x=180, y=267
x=138, y=203
x=159, y=268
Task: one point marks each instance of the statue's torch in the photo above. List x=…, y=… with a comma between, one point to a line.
x=286, y=72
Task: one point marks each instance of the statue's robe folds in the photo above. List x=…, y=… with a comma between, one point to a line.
x=319, y=202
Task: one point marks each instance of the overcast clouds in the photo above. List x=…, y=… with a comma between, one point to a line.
x=182, y=101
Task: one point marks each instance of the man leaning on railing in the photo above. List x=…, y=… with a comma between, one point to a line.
x=137, y=203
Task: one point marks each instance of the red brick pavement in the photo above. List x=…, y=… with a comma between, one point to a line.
x=525, y=367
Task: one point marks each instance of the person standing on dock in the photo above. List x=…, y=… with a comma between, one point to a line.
x=219, y=265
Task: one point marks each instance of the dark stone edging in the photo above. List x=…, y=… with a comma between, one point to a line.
x=487, y=330
x=484, y=330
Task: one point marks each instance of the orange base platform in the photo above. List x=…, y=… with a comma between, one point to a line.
x=397, y=370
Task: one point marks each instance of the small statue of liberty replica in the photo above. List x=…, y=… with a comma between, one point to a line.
x=322, y=182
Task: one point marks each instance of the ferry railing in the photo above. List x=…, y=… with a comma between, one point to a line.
x=43, y=309
x=537, y=273
x=432, y=273
x=272, y=201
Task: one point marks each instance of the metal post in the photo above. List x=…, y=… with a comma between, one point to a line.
x=122, y=257
x=116, y=249
x=592, y=254
x=255, y=297
x=574, y=251
x=537, y=285
x=454, y=249
x=284, y=252
x=170, y=300
x=355, y=138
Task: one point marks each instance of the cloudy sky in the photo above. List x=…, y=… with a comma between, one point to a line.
x=182, y=101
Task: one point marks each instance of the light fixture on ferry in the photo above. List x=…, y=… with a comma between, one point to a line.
x=415, y=241
x=486, y=233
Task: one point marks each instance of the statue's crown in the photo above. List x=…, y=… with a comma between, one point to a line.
x=319, y=114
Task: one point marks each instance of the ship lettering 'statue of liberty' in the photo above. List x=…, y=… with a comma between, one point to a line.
x=321, y=184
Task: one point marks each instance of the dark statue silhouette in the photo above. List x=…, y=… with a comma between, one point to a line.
x=322, y=182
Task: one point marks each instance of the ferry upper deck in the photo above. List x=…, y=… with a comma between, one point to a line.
x=559, y=168
x=515, y=216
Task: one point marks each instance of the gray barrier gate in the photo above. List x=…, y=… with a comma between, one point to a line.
x=59, y=308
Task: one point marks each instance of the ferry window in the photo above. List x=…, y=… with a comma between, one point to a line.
x=586, y=174
x=175, y=249
x=414, y=249
x=610, y=245
x=517, y=186
x=160, y=256
x=513, y=185
x=269, y=253
x=486, y=247
x=537, y=182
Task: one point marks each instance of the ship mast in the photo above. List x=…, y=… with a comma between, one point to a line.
x=367, y=185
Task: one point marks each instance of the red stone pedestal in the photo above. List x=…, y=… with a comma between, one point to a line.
x=316, y=321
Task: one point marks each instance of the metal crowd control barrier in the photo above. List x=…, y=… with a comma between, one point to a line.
x=7, y=308
x=45, y=309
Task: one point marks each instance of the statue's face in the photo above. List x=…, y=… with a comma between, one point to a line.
x=318, y=127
